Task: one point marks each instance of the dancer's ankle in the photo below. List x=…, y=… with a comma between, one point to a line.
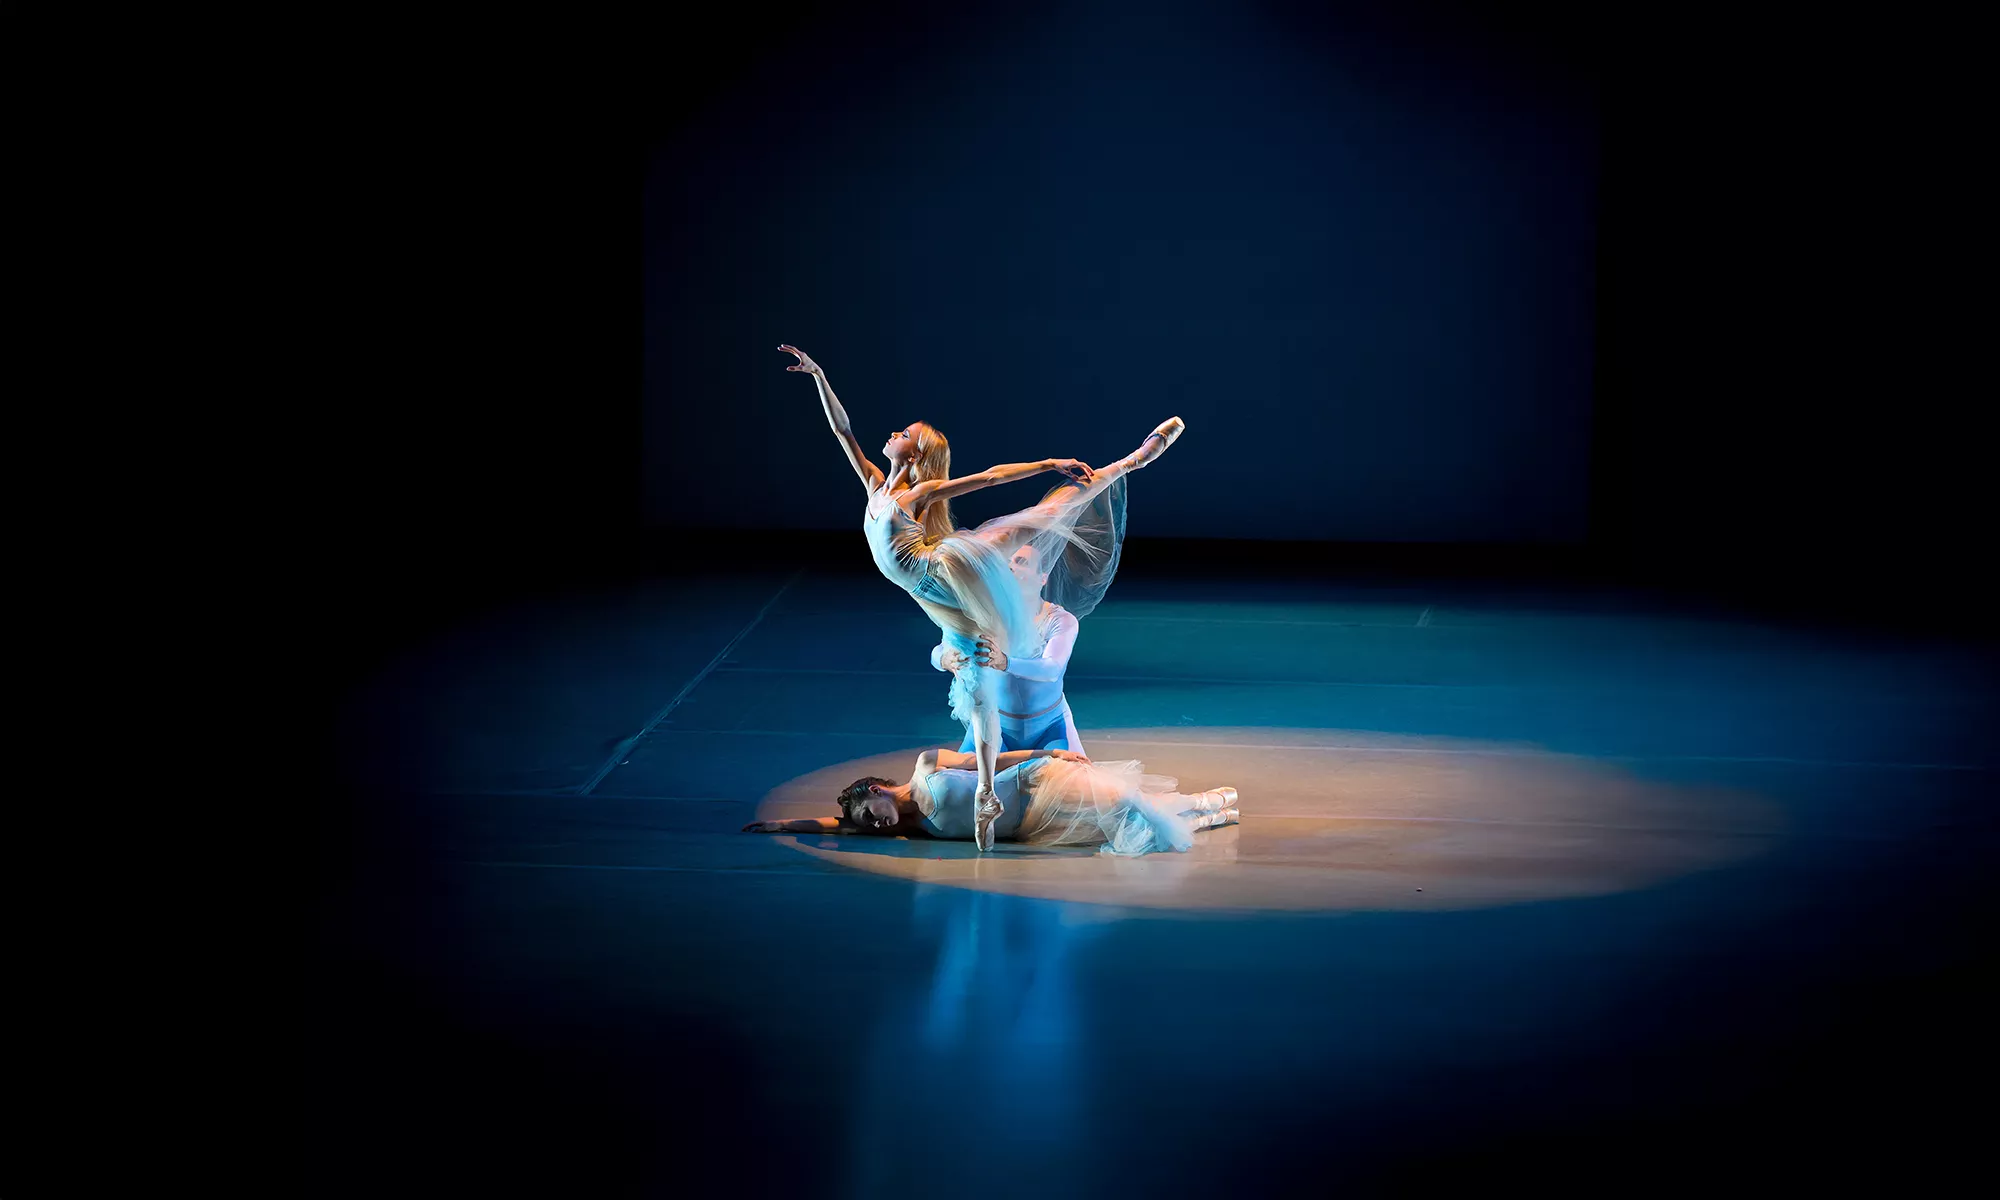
x=1155, y=443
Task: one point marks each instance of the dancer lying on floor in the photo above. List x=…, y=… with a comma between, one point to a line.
x=1052, y=798
x=961, y=577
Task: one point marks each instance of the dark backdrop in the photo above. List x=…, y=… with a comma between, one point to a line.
x=1678, y=296
x=1355, y=251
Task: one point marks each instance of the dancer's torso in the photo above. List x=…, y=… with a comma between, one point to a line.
x=948, y=797
x=895, y=539
x=893, y=536
x=1035, y=701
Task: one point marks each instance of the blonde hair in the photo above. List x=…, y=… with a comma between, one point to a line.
x=932, y=461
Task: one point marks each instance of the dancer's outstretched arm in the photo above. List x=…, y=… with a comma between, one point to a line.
x=952, y=760
x=836, y=416
x=1154, y=445
x=945, y=489
x=833, y=825
x=799, y=825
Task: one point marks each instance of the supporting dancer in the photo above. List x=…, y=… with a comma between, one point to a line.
x=1028, y=688
x=962, y=578
x=1053, y=798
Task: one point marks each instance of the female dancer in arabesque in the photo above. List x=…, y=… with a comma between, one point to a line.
x=963, y=578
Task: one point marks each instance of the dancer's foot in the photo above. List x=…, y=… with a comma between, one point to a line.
x=1211, y=820
x=1156, y=442
x=1215, y=801
x=983, y=816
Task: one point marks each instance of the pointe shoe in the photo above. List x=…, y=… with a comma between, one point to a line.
x=983, y=816
x=1156, y=442
x=1216, y=800
x=1228, y=816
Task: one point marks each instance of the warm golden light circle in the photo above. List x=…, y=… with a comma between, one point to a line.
x=1343, y=820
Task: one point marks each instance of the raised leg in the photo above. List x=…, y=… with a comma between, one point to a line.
x=1154, y=445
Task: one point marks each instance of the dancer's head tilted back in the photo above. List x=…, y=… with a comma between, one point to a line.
x=868, y=806
x=929, y=455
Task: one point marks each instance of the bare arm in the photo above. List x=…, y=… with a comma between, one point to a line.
x=952, y=760
x=799, y=825
x=944, y=489
x=836, y=416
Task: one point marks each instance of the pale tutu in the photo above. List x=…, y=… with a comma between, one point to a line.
x=1114, y=805
x=1087, y=558
x=965, y=582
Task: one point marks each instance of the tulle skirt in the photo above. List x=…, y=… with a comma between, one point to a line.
x=970, y=587
x=1085, y=561
x=1114, y=805
x=1077, y=534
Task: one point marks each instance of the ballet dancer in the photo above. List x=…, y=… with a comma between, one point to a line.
x=963, y=579
x=1052, y=798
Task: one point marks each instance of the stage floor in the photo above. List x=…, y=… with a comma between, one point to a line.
x=1532, y=884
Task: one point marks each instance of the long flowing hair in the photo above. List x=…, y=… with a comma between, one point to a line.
x=932, y=461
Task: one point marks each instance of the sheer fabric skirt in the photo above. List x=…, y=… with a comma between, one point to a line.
x=1113, y=805
x=1076, y=534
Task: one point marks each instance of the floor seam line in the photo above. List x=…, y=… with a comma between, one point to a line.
x=627, y=745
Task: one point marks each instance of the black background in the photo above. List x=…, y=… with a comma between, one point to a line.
x=1773, y=408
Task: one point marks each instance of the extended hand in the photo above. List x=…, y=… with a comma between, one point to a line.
x=764, y=827
x=1068, y=756
x=986, y=654
x=1075, y=469
x=805, y=364
x=952, y=662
